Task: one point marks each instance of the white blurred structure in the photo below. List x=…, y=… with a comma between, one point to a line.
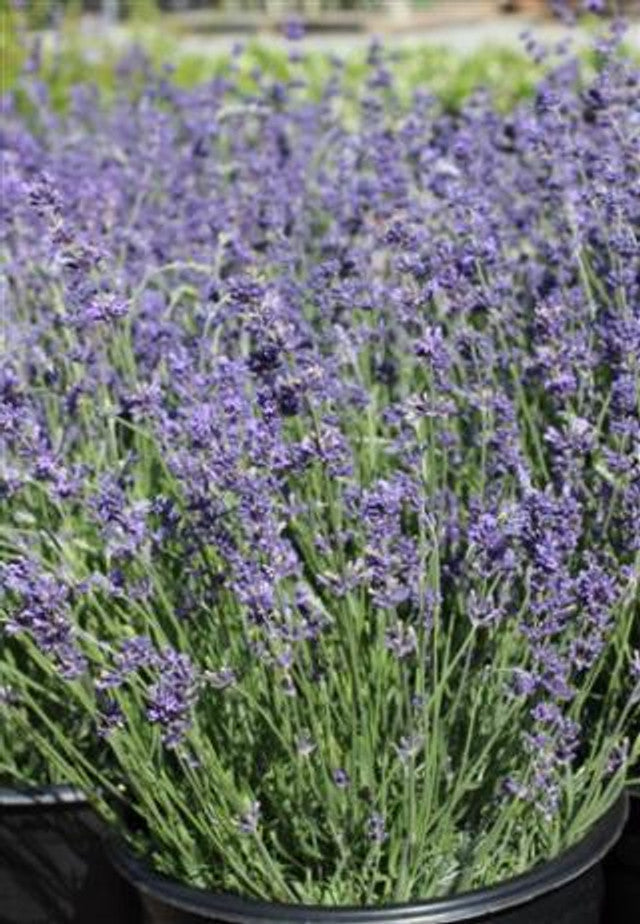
x=111, y=10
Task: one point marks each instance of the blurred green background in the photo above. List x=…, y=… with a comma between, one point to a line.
x=74, y=47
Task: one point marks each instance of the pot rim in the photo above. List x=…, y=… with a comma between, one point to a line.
x=34, y=797
x=542, y=879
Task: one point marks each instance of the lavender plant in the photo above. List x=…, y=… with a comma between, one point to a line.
x=321, y=485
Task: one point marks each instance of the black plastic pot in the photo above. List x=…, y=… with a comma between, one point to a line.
x=622, y=870
x=567, y=890
x=53, y=865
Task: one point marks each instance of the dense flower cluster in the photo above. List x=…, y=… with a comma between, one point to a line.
x=321, y=478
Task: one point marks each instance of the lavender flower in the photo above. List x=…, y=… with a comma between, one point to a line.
x=319, y=429
x=110, y=718
x=401, y=640
x=39, y=605
x=341, y=778
x=248, y=821
x=376, y=830
x=173, y=696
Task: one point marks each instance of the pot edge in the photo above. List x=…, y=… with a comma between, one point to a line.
x=545, y=878
x=34, y=797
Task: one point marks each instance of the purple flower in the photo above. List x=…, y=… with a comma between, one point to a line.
x=348, y=404
x=103, y=308
x=341, y=778
x=401, y=640
x=376, y=830
x=172, y=698
x=619, y=757
x=110, y=717
x=134, y=654
x=39, y=604
x=249, y=820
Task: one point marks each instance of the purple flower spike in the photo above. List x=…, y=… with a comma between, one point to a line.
x=376, y=830
x=172, y=697
x=341, y=778
x=248, y=822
